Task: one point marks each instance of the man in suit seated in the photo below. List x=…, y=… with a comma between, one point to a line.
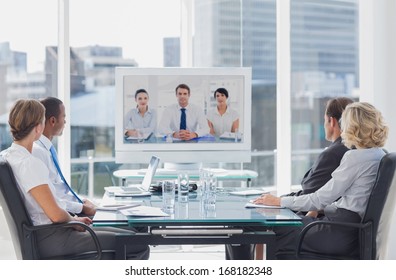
x=183, y=120
x=320, y=172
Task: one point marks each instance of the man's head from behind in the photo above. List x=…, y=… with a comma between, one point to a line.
x=54, y=117
x=333, y=112
x=182, y=94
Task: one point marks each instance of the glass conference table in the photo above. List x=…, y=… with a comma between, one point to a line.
x=229, y=222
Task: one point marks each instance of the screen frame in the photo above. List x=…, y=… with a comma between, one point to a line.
x=183, y=152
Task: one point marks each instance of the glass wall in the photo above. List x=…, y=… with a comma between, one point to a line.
x=104, y=35
x=324, y=65
x=243, y=33
x=26, y=44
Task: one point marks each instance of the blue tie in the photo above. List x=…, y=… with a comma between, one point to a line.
x=183, y=124
x=55, y=159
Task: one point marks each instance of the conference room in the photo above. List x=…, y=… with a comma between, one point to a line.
x=281, y=62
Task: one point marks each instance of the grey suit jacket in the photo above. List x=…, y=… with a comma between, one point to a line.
x=325, y=164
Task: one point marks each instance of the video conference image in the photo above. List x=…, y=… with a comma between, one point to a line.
x=183, y=108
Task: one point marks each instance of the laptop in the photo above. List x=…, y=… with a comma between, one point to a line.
x=144, y=187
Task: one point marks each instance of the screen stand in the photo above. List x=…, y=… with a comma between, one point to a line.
x=183, y=166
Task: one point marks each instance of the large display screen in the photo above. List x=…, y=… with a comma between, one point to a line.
x=183, y=114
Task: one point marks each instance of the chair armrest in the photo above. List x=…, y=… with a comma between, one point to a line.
x=70, y=224
x=361, y=227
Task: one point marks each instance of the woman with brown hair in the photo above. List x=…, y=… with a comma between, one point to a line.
x=26, y=120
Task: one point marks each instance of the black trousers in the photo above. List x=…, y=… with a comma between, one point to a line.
x=64, y=241
x=323, y=238
x=239, y=251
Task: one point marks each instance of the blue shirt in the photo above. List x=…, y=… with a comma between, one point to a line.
x=147, y=123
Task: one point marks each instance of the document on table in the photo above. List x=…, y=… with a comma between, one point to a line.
x=131, y=194
x=250, y=204
x=144, y=211
x=124, y=192
x=231, y=135
x=144, y=136
x=116, y=207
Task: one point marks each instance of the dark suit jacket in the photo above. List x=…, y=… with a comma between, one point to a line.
x=325, y=164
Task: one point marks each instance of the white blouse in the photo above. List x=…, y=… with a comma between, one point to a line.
x=29, y=173
x=222, y=123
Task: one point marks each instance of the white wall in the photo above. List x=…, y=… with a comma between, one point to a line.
x=377, y=46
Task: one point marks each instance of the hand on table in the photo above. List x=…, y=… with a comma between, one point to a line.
x=268, y=199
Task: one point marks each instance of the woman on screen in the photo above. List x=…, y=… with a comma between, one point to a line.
x=222, y=118
x=141, y=119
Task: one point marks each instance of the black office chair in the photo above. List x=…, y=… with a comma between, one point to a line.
x=23, y=233
x=367, y=229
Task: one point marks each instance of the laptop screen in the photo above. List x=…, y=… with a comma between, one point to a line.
x=148, y=177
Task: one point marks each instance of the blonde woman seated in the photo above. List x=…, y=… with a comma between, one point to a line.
x=345, y=197
x=26, y=120
x=222, y=118
x=142, y=119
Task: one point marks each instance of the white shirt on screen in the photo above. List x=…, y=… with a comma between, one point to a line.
x=222, y=123
x=196, y=120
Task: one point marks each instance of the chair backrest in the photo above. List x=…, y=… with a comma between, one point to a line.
x=16, y=214
x=386, y=239
x=379, y=195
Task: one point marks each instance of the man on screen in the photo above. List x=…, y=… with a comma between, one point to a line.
x=183, y=120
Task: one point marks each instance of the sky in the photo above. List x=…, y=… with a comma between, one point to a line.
x=136, y=25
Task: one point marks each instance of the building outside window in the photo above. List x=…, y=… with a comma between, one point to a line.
x=226, y=33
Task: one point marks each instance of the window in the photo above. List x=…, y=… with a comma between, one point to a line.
x=113, y=33
x=105, y=34
x=25, y=60
x=243, y=33
x=324, y=65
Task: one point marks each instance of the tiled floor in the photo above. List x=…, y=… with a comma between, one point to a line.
x=186, y=252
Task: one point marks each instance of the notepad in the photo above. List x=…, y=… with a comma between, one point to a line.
x=116, y=207
x=231, y=135
x=144, y=211
x=131, y=193
x=145, y=136
x=252, y=205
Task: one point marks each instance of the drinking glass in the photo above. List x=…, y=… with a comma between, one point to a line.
x=168, y=196
x=183, y=185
